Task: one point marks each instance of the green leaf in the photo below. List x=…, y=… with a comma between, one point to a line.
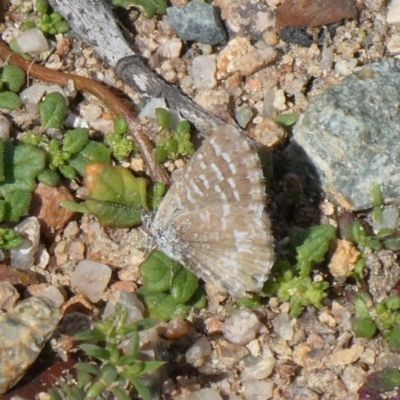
x=116, y=185
x=10, y=101
x=361, y=308
x=92, y=334
x=393, y=302
x=198, y=300
x=120, y=394
x=17, y=204
x=114, y=215
x=49, y=178
x=286, y=120
x=315, y=246
x=22, y=164
x=139, y=326
x=141, y=388
x=14, y=77
x=393, y=338
x=164, y=117
x=52, y=110
x=75, y=140
x=159, y=305
x=93, y=152
x=41, y=6
x=158, y=271
x=117, y=198
x=89, y=368
x=2, y=149
x=364, y=327
x=95, y=351
x=120, y=126
x=76, y=207
x=150, y=366
x=184, y=285
x=53, y=395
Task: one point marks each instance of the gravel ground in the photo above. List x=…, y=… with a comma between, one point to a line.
x=260, y=354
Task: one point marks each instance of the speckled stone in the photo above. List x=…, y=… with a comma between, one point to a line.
x=24, y=331
x=347, y=139
x=197, y=22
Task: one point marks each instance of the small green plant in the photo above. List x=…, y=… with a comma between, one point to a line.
x=172, y=144
x=9, y=239
x=19, y=167
x=48, y=21
x=169, y=289
x=12, y=78
x=109, y=370
x=292, y=281
x=149, y=7
x=120, y=144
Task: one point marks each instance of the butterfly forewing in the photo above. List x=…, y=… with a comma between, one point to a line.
x=212, y=219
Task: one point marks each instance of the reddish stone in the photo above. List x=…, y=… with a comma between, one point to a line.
x=307, y=13
x=46, y=207
x=18, y=276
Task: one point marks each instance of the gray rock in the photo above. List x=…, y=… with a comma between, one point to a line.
x=347, y=139
x=197, y=22
x=24, y=331
x=243, y=116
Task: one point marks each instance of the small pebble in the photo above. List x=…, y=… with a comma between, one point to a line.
x=48, y=291
x=90, y=279
x=91, y=112
x=8, y=296
x=374, y=5
x=46, y=207
x=283, y=326
x=24, y=256
x=261, y=370
x=24, y=331
x=327, y=58
x=33, y=94
x=176, y=329
x=243, y=116
x=197, y=22
x=393, y=13
x=347, y=356
x=170, y=49
x=393, y=44
x=199, y=352
x=258, y=390
x=32, y=41
x=242, y=327
x=203, y=394
x=203, y=72
x=345, y=67
x=127, y=300
x=354, y=377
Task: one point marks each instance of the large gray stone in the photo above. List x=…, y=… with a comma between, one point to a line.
x=349, y=137
x=197, y=22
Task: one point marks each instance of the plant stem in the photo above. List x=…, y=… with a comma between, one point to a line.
x=156, y=171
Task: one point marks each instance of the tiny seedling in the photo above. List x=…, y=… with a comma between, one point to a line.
x=108, y=369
